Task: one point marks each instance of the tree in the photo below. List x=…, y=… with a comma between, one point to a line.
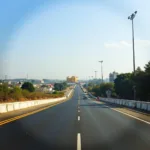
x=28, y=86
x=147, y=68
x=96, y=90
x=60, y=86
x=138, y=70
x=104, y=87
x=142, y=82
x=100, y=90
x=124, y=85
x=33, y=81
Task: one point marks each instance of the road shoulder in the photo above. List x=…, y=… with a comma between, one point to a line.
x=126, y=111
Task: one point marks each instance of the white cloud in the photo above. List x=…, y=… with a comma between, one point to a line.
x=111, y=45
x=126, y=44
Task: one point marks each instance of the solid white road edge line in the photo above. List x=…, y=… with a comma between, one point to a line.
x=78, y=118
x=78, y=141
x=131, y=116
x=128, y=115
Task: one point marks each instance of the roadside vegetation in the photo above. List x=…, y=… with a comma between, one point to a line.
x=60, y=86
x=26, y=92
x=123, y=85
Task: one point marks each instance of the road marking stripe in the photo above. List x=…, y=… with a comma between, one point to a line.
x=130, y=115
x=27, y=114
x=78, y=141
x=127, y=114
x=78, y=118
x=78, y=110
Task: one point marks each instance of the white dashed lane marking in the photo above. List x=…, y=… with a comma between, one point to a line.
x=78, y=141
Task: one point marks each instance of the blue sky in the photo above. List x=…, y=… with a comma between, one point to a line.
x=55, y=39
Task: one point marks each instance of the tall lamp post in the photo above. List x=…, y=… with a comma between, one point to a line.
x=95, y=74
x=131, y=17
x=101, y=69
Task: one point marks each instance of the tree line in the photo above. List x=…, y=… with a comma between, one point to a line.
x=125, y=84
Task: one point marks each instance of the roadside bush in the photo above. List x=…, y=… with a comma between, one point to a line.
x=28, y=86
x=55, y=92
x=16, y=93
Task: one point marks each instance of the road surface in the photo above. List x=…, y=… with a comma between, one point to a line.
x=77, y=124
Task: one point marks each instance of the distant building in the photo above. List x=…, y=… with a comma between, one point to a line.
x=42, y=81
x=72, y=79
x=46, y=88
x=112, y=76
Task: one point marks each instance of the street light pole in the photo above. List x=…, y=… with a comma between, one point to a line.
x=95, y=74
x=101, y=69
x=131, y=17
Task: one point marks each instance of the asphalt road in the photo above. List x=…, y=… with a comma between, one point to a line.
x=97, y=126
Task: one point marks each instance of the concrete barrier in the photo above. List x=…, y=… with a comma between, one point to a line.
x=3, y=108
x=10, y=107
x=132, y=104
x=6, y=107
x=127, y=103
x=16, y=105
x=144, y=106
x=138, y=105
x=148, y=106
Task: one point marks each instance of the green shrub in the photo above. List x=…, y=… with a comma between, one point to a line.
x=16, y=93
x=28, y=86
